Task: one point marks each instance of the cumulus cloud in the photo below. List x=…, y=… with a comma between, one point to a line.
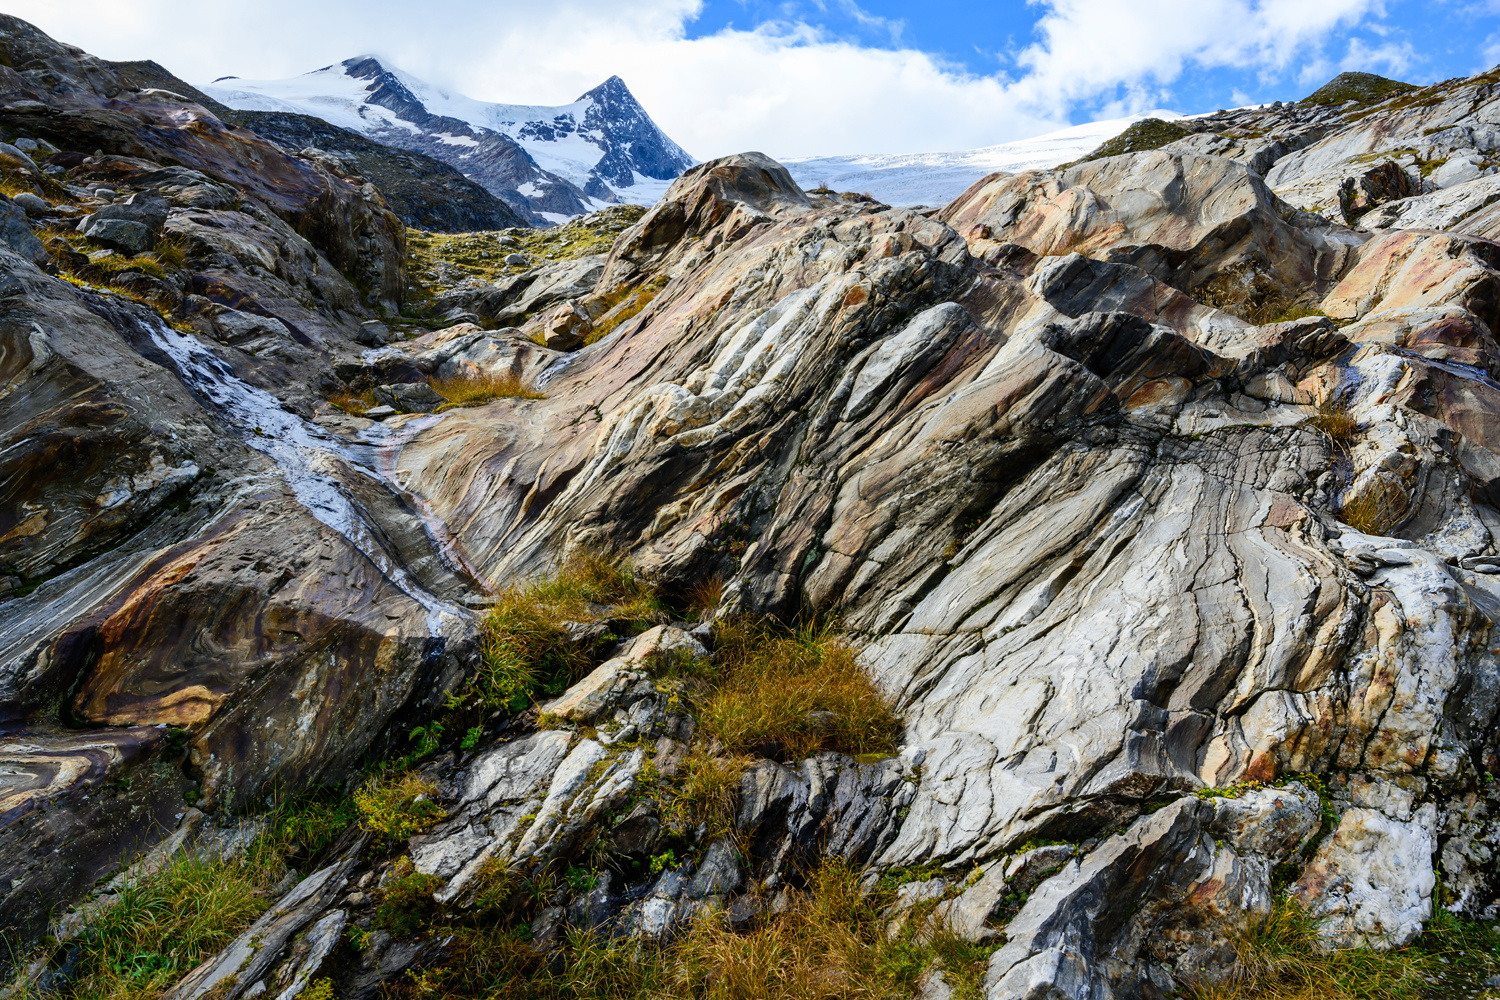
x=1490, y=54
x=1092, y=47
x=790, y=88
x=1392, y=58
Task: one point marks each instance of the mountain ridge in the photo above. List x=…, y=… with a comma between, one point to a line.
x=550, y=162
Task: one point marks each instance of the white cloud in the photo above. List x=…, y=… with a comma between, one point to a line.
x=1089, y=47
x=1391, y=58
x=788, y=88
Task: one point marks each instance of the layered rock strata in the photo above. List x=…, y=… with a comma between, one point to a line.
x=1163, y=511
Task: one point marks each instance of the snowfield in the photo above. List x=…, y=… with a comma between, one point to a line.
x=937, y=178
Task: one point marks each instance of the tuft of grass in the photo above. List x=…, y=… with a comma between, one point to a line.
x=527, y=649
x=18, y=180
x=1281, y=960
x=143, y=263
x=1290, y=313
x=152, y=303
x=476, y=388
x=709, y=791
x=704, y=596
x=308, y=824
x=166, y=923
x=469, y=389
x=1333, y=418
x=492, y=961
x=623, y=306
x=353, y=402
x=1376, y=510
x=400, y=807
x=171, y=252
x=832, y=943
x=789, y=692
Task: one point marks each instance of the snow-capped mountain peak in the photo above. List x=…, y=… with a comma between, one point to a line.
x=547, y=161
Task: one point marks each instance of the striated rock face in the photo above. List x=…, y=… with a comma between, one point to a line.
x=1158, y=898
x=1202, y=604
x=203, y=596
x=78, y=102
x=1086, y=528
x=1203, y=224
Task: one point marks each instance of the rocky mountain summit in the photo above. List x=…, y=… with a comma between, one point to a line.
x=550, y=163
x=1037, y=597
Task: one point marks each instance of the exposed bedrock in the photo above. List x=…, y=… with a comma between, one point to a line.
x=1205, y=606
x=1085, y=526
x=1203, y=224
x=180, y=550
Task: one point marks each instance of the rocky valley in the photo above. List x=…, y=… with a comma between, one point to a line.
x=1080, y=590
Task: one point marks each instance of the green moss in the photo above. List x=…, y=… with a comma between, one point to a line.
x=1147, y=134
x=437, y=262
x=1364, y=88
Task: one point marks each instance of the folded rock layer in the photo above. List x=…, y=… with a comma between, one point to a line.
x=1163, y=511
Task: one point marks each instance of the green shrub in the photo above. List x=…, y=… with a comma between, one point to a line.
x=407, y=907
x=399, y=808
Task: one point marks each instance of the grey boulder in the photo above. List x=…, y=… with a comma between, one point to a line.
x=31, y=204
x=121, y=235
x=410, y=397
x=16, y=232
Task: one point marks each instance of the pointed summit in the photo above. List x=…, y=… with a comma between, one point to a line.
x=633, y=144
x=551, y=162
x=610, y=90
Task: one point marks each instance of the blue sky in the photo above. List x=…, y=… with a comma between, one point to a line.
x=816, y=77
x=1421, y=41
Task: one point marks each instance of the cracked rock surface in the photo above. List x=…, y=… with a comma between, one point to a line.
x=1164, y=510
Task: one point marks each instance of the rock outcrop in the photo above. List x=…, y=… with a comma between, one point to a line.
x=1166, y=515
x=171, y=534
